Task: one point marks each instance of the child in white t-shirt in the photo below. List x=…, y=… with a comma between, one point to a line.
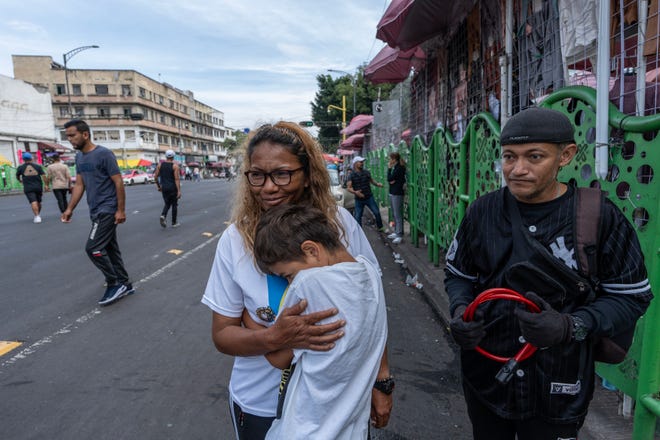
x=328, y=393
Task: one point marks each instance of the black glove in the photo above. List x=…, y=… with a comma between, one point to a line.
x=467, y=334
x=547, y=328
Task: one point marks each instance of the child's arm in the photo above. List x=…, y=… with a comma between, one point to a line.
x=280, y=358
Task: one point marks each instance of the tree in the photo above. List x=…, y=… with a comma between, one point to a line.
x=330, y=92
x=231, y=145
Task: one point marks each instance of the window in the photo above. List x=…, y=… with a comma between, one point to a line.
x=171, y=104
x=147, y=136
x=160, y=99
x=103, y=111
x=127, y=112
x=129, y=135
x=173, y=122
x=184, y=109
x=64, y=111
x=162, y=119
x=143, y=92
x=126, y=90
x=76, y=89
x=78, y=111
x=60, y=89
x=113, y=135
x=101, y=89
x=100, y=135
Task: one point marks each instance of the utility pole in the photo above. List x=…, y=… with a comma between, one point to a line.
x=343, y=113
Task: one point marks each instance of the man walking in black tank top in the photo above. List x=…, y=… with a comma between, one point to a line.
x=167, y=181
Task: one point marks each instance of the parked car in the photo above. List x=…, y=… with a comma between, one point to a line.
x=150, y=172
x=341, y=194
x=134, y=176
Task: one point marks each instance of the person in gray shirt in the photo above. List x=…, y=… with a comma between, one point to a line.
x=98, y=174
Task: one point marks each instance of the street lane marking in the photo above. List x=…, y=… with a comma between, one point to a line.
x=7, y=346
x=175, y=251
x=207, y=234
x=97, y=311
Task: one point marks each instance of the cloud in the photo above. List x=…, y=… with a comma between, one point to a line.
x=249, y=59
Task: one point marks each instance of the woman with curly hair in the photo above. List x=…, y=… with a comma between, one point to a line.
x=282, y=165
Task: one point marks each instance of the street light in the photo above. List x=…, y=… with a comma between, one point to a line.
x=67, y=56
x=343, y=113
x=353, y=81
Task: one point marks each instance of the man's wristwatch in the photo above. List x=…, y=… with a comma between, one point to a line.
x=580, y=330
x=385, y=385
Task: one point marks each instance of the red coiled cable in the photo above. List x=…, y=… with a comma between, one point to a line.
x=501, y=293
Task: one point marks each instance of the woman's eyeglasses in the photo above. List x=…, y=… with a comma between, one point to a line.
x=278, y=177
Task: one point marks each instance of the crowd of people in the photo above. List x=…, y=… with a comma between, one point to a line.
x=296, y=296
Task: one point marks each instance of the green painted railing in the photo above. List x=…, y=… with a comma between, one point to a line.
x=445, y=176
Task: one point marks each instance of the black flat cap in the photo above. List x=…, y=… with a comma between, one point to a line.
x=537, y=125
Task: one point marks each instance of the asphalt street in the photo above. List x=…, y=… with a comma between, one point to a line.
x=145, y=367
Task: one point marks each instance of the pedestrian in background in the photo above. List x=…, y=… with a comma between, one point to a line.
x=396, y=177
x=325, y=394
x=97, y=173
x=29, y=174
x=59, y=179
x=523, y=237
x=283, y=165
x=196, y=176
x=359, y=183
x=169, y=184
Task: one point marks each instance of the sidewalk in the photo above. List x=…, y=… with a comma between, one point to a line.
x=603, y=420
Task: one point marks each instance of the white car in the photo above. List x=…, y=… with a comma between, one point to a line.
x=341, y=194
x=134, y=176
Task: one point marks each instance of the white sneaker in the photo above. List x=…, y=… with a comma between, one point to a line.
x=393, y=235
x=397, y=240
x=37, y=219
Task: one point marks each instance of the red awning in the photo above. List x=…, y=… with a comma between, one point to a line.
x=354, y=141
x=52, y=146
x=358, y=124
x=330, y=158
x=144, y=163
x=408, y=23
x=393, y=65
x=390, y=25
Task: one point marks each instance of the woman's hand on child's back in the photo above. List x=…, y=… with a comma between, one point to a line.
x=294, y=330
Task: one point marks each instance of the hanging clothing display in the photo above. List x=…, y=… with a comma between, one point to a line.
x=541, y=69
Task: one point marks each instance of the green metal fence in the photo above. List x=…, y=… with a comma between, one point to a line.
x=445, y=176
x=10, y=182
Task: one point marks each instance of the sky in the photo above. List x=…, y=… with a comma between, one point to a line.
x=254, y=60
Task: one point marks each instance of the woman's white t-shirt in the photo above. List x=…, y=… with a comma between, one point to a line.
x=234, y=284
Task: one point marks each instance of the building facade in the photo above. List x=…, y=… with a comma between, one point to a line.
x=133, y=115
x=26, y=120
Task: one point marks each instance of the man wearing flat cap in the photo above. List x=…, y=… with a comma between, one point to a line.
x=523, y=237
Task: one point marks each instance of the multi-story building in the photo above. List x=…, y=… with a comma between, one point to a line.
x=135, y=116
